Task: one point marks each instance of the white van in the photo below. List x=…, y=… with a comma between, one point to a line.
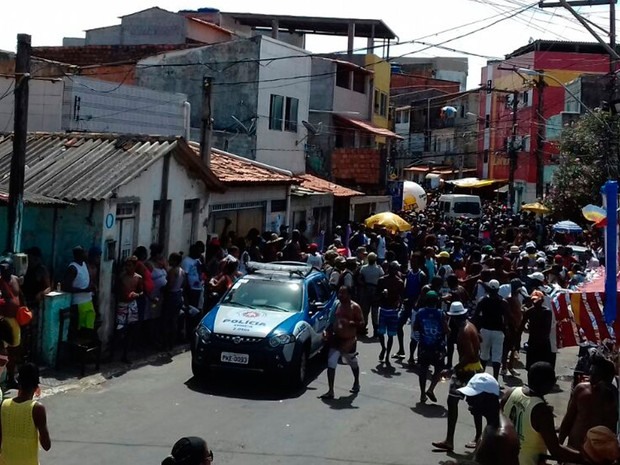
x=460, y=205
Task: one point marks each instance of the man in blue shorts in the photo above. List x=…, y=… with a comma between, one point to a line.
x=430, y=327
x=390, y=290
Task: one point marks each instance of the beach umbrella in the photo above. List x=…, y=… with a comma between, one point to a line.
x=567, y=227
x=388, y=220
x=535, y=207
x=596, y=214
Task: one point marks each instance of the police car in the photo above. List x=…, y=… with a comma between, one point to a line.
x=270, y=321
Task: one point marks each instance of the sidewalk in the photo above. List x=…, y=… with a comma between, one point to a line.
x=67, y=378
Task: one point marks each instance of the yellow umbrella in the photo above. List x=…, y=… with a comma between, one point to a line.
x=388, y=220
x=535, y=207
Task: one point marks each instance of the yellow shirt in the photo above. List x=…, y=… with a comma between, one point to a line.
x=519, y=409
x=20, y=438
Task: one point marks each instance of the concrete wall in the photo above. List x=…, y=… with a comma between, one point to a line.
x=346, y=100
x=322, y=85
x=104, y=36
x=304, y=206
x=44, y=105
x=91, y=105
x=290, y=78
x=235, y=86
x=153, y=26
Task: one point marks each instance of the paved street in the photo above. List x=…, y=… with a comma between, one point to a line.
x=136, y=417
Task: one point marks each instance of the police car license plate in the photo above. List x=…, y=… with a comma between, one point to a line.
x=231, y=357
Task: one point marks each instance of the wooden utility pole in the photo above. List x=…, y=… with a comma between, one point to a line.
x=207, y=122
x=20, y=135
x=540, y=138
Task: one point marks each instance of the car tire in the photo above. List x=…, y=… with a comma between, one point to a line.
x=200, y=372
x=299, y=371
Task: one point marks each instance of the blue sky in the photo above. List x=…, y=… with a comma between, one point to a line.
x=424, y=20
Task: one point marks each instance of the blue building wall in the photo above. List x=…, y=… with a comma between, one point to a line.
x=81, y=224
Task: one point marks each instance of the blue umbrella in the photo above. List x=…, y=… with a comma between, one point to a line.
x=567, y=227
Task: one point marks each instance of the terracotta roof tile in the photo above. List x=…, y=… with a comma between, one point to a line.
x=233, y=170
x=317, y=184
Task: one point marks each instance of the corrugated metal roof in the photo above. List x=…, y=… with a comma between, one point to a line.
x=85, y=166
x=34, y=199
x=367, y=126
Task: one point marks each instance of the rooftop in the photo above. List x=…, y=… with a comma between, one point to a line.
x=86, y=55
x=317, y=184
x=560, y=46
x=316, y=25
x=92, y=166
x=234, y=170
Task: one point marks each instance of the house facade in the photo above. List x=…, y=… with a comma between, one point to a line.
x=560, y=62
x=260, y=95
x=124, y=191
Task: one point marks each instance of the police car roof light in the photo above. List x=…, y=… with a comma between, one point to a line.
x=300, y=268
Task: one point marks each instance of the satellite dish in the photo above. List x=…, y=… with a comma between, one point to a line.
x=243, y=126
x=312, y=129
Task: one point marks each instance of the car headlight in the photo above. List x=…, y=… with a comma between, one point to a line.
x=281, y=339
x=203, y=333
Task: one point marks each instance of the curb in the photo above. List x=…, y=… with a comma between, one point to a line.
x=117, y=369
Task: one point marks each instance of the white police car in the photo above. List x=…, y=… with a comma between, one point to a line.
x=270, y=321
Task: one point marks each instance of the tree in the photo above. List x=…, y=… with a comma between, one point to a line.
x=589, y=156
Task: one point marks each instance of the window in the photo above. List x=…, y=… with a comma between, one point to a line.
x=359, y=82
x=377, y=102
x=343, y=77
x=283, y=113
x=472, y=208
x=275, y=112
x=384, y=104
x=290, y=119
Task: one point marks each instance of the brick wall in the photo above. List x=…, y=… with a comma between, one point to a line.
x=356, y=166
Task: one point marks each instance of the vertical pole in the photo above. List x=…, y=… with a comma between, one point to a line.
x=512, y=153
x=275, y=29
x=351, y=39
x=612, y=36
x=540, y=161
x=20, y=135
x=610, y=194
x=207, y=122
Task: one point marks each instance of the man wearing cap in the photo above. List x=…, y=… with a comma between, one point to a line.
x=490, y=316
x=430, y=327
x=499, y=443
x=468, y=346
x=390, y=291
x=313, y=257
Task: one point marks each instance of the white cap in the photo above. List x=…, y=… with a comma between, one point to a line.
x=505, y=291
x=493, y=284
x=482, y=382
x=538, y=276
x=457, y=309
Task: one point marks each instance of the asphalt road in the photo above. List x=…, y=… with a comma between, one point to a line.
x=136, y=417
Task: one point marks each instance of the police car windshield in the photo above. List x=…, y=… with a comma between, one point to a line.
x=272, y=295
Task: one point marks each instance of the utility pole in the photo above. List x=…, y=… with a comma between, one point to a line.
x=512, y=153
x=540, y=138
x=20, y=135
x=207, y=122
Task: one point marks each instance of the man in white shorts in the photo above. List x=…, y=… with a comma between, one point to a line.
x=490, y=318
x=341, y=337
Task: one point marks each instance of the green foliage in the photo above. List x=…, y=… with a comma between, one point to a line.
x=588, y=156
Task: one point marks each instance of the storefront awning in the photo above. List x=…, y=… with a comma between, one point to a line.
x=472, y=183
x=367, y=126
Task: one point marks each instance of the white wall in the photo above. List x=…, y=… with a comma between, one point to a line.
x=290, y=78
x=44, y=104
x=147, y=188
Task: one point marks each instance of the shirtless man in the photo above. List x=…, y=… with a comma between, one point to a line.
x=130, y=288
x=468, y=347
x=512, y=320
x=342, y=337
x=390, y=289
x=591, y=404
x=499, y=442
